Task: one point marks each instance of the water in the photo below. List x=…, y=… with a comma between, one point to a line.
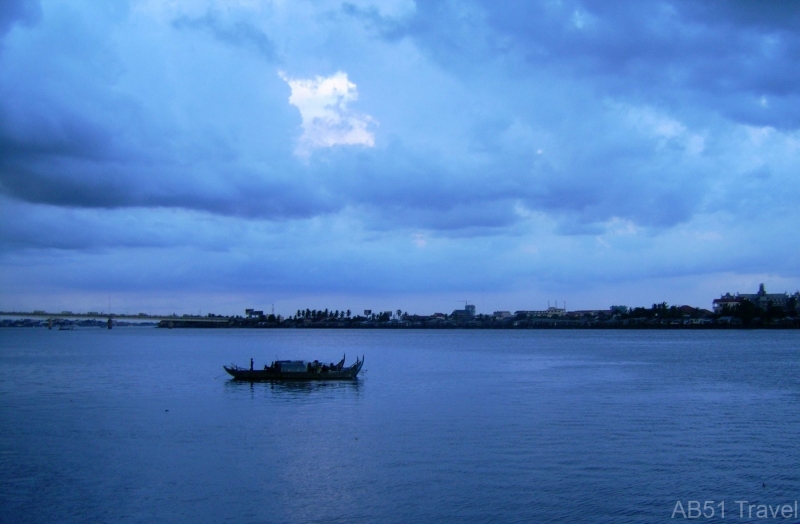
x=142, y=425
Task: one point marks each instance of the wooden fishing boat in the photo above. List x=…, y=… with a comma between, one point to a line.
x=297, y=370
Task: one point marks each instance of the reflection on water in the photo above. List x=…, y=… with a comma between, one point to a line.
x=295, y=388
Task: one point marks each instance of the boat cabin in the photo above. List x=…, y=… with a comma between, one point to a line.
x=290, y=366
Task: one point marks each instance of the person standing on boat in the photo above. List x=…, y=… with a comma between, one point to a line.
x=251, y=364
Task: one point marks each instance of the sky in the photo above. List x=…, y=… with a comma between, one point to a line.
x=198, y=156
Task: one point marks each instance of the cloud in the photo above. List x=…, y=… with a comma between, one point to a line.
x=460, y=154
x=18, y=11
x=238, y=33
x=725, y=56
x=548, y=145
x=97, y=121
x=327, y=120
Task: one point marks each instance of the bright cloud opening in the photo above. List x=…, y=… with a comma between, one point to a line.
x=327, y=120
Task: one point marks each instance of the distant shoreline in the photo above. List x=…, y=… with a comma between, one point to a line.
x=178, y=324
x=660, y=317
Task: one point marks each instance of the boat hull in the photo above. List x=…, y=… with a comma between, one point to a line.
x=261, y=375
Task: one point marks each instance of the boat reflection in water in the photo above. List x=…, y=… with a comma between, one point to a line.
x=296, y=371
x=293, y=389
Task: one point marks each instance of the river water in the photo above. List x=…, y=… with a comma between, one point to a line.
x=142, y=425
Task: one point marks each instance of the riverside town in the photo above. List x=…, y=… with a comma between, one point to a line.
x=730, y=311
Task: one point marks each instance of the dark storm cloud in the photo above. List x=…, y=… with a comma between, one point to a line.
x=720, y=55
x=18, y=11
x=70, y=162
x=83, y=185
x=59, y=158
x=28, y=134
x=238, y=33
x=46, y=156
x=82, y=125
x=689, y=61
x=55, y=152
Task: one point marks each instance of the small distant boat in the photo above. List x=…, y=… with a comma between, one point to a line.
x=65, y=327
x=297, y=370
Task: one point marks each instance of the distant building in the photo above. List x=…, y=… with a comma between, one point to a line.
x=466, y=313
x=762, y=299
x=550, y=312
x=765, y=300
x=718, y=304
x=367, y=312
x=502, y=314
